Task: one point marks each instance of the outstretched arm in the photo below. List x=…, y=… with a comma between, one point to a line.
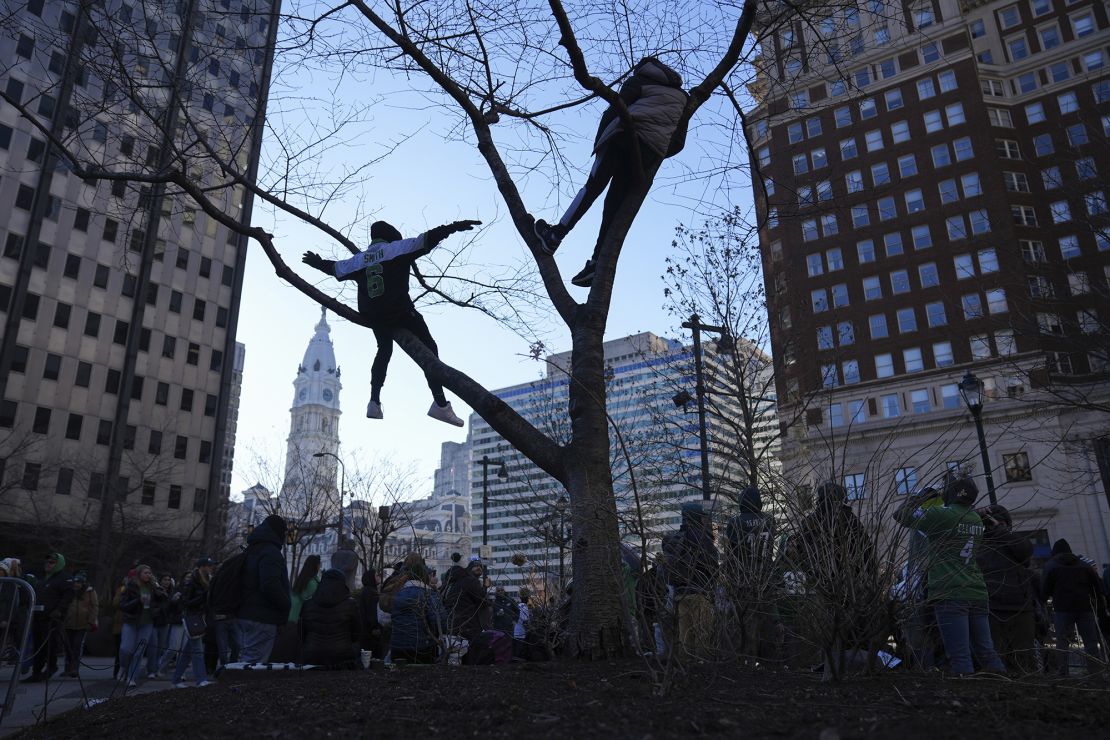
x=314, y=260
x=433, y=237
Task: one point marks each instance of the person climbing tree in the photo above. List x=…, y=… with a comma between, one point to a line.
x=655, y=100
x=382, y=272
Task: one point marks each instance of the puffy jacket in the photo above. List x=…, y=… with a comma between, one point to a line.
x=83, y=610
x=1004, y=560
x=329, y=625
x=1071, y=584
x=655, y=100
x=266, y=593
x=418, y=617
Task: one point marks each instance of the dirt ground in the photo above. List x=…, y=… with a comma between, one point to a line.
x=612, y=700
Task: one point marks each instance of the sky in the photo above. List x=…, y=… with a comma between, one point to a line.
x=426, y=181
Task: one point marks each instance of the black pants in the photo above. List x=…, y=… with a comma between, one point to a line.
x=384, y=327
x=47, y=635
x=613, y=166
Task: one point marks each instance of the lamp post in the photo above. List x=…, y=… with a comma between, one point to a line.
x=561, y=508
x=971, y=388
x=724, y=345
x=342, y=486
x=383, y=521
x=503, y=474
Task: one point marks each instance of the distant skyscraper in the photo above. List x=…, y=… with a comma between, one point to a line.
x=453, y=473
x=121, y=299
x=935, y=204
x=526, y=515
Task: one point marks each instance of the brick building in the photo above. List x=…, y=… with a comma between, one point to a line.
x=932, y=188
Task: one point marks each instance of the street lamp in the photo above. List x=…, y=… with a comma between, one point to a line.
x=383, y=520
x=503, y=474
x=725, y=345
x=971, y=388
x=561, y=508
x=342, y=486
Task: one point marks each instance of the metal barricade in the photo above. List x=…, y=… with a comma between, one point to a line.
x=17, y=607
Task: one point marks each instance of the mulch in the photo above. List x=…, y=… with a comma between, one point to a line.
x=601, y=699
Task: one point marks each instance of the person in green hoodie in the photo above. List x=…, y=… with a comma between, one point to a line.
x=53, y=592
x=956, y=590
x=287, y=647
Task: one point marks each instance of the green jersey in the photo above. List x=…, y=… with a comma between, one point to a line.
x=954, y=533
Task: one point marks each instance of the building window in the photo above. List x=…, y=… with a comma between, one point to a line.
x=856, y=487
x=1017, y=467
x=872, y=288
x=927, y=274
x=905, y=480
x=942, y=354
x=907, y=165
x=174, y=501
x=919, y=401
x=884, y=365
x=935, y=315
x=865, y=251
x=907, y=320
x=877, y=323
x=899, y=282
x=913, y=360
x=890, y=405
x=149, y=488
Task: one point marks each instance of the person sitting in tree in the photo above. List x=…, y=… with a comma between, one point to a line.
x=655, y=99
x=382, y=272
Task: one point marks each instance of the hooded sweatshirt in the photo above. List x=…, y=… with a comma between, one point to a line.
x=329, y=623
x=749, y=539
x=1071, y=583
x=692, y=557
x=655, y=100
x=266, y=596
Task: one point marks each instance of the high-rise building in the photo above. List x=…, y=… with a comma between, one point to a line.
x=453, y=473
x=528, y=513
x=933, y=201
x=121, y=296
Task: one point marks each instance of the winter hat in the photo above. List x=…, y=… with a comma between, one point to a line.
x=750, y=500
x=1061, y=547
x=830, y=496
x=456, y=557
x=59, y=564
x=276, y=525
x=996, y=516
x=961, y=492
x=201, y=562
x=333, y=574
x=385, y=232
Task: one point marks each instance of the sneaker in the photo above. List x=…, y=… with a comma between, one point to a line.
x=445, y=414
x=374, y=410
x=202, y=684
x=152, y=676
x=181, y=685
x=585, y=278
x=132, y=685
x=550, y=236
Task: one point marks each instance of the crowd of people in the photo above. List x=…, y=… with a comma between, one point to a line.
x=969, y=598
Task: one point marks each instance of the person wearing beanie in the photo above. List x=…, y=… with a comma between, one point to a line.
x=266, y=598
x=82, y=617
x=957, y=590
x=1005, y=560
x=53, y=593
x=382, y=275
x=655, y=101
x=1072, y=584
x=329, y=623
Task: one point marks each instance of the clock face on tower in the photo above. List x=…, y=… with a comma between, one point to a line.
x=303, y=394
x=327, y=395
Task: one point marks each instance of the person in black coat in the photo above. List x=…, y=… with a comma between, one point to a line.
x=266, y=593
x=1074, y=588
x=368, y=611
x=329, y=624
x=748, y=568
x=381, y=273
x=466, y=603
x=692, y=564
x=53, y=592
x=1004, y=559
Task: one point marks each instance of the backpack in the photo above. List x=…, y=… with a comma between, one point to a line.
x=225, y=590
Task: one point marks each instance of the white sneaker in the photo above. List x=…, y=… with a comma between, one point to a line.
x=132, y=685
x=181, y=685
x=374, y=411
x=445, y=414
x=203, y=683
